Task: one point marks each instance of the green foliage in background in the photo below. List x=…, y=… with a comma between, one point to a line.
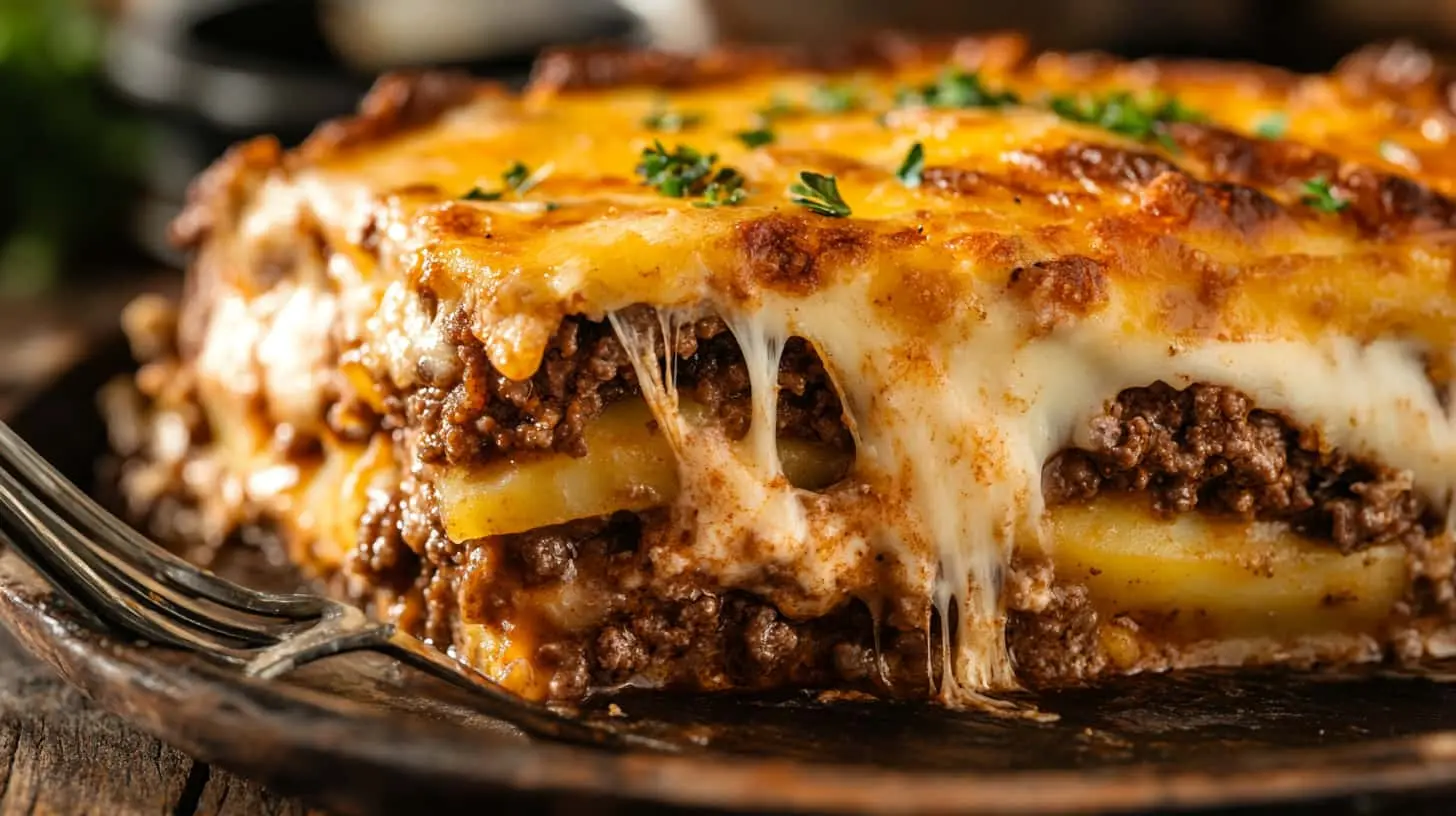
x=67, y=159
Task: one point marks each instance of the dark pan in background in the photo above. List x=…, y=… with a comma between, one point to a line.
x=206, y=74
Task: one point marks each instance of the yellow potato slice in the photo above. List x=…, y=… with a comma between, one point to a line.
x=628, y=466
x=1208, y=577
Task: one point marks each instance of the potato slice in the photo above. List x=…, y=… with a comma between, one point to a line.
x=628, y=466
x=1207, y=577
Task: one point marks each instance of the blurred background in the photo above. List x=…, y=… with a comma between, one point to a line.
x=111, y=106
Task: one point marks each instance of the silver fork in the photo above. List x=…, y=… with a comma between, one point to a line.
x=131, y=583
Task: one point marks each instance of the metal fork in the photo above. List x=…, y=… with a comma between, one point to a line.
x=131, y=583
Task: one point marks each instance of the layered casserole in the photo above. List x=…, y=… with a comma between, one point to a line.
x=924, y=369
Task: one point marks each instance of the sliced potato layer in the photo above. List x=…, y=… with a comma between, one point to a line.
x=1192, y=577
x=628, y=466
x=1203, y=576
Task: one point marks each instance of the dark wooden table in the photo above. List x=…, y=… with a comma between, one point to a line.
x=59, y=754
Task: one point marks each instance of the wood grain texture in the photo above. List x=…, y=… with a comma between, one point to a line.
x=225, y=794
x=61, y=755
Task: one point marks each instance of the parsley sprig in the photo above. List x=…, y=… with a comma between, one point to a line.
x=912, y=168
x=685, y=172
x=755, y=138
x=818, y=193
x=1320, y=195
x=671, y=121
x=1272, y=125
x=955, y=88
x=516, y=179
x=832, y=98
x=725, y=190
x=1121, y=112
x=778, y=107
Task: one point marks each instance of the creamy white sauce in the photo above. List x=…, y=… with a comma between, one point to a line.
x=403, y=338
x=295, y=354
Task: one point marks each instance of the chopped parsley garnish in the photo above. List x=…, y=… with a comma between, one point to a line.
x=725, y=190
x=671, y=121
x=778, y=107
x=956, y=89
x=1272, y=126
x=755, y=138
x=819, y=194
x=515, y=176
x=1319, y=195
x=1122, y=113
x=830, y=98
x=914, y=164
x=685, y=172
x=516, y=179
x=676, y=174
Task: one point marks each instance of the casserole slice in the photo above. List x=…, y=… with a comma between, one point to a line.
x=933, y=370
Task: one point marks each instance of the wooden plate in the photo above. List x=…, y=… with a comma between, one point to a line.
x=358, y=734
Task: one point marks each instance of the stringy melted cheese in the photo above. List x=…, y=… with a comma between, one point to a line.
x=956, y=389
x=951, y=449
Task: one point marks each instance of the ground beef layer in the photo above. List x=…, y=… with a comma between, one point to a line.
x=1203, y=448
x=480, y=413
x=685, y=635
x=1209, y=448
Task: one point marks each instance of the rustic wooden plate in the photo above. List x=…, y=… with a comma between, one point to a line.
x=359, y=734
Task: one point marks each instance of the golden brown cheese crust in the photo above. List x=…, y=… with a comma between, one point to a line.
x=1385, y=92
x=1232, y=197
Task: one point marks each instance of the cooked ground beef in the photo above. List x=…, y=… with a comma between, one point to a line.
x=1203, y=447
x=684, y=636
x=482, y=413
x=1207, y=447
x=733, y=640
x=1051, y=625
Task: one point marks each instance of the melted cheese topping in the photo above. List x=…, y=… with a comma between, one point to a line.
x=973, y=324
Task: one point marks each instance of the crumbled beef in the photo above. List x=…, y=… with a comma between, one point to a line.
x=1207, y=447
x=479, y=413
x=547, y=555
x=571, y=669
x=381, y=553
x=767, y=640
x=483, y=412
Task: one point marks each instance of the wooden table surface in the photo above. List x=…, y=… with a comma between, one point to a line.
x=60, y=755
